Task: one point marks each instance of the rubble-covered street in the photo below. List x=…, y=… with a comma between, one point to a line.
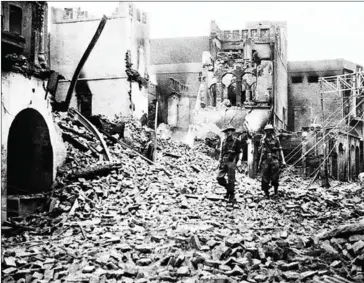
x=132, y=221
x=141, y=145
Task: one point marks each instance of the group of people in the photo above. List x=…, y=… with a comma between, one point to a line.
x=270, y=162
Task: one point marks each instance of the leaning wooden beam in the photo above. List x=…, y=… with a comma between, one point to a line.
x=89, y=126
x=98, y=170
x=83, y=61
x=63, y=127
x=343, y=230
x=137, y=153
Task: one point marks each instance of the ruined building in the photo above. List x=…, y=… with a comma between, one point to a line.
x=234, y=77
x=177, y=61
x=325, y=99
x=115, y=78
x=31, y=146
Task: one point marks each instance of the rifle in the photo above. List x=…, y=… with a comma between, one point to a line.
x=260, y=159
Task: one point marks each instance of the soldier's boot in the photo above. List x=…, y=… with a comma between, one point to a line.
x=266, y=192
x=276, y=190
x=231, y=193
x=265, y=188
x=227, y=194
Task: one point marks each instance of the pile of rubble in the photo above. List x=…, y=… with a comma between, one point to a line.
x=131, y=221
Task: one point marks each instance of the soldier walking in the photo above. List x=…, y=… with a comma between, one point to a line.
x=148, y=149
x=230, y=158
x=271, y=159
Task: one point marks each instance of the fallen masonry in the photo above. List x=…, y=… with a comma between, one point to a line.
x=132, y=222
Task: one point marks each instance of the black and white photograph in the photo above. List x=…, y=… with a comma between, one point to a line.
x=172, y=141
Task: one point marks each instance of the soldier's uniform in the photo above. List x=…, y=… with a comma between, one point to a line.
x=271, y=160
x=229, y=156
x=148, y=148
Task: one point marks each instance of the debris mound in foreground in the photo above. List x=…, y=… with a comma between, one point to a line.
x=127, y=220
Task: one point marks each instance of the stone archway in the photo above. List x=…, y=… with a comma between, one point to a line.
x=29, y=155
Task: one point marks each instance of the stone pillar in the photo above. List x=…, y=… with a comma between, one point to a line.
x=4, y=195
x=304, y=163
x=239, y=79
x=247, y=95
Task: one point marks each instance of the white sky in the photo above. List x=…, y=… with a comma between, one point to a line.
x=315, y=31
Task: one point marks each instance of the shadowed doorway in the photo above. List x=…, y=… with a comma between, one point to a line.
x=30, y=155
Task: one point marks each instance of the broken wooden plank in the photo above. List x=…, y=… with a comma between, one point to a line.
x=89, y=126
x=74, y=207
x=68, y=138
x=171, y=155
x=64, y=127
x=98, y=170
x=344, y=230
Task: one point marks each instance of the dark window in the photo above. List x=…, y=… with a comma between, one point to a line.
x=15, y=21
x=313, y=79
x=232, y=94
x=144, y=18
x=297, y=80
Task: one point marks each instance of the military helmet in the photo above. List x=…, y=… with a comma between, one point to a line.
x=268, y=127
x=228, y=128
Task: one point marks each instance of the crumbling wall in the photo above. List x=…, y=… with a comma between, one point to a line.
x=173, y=102
x=280, y=81
x=19, y=93
x=236, y=116
x=305, y=101
x=111, y=97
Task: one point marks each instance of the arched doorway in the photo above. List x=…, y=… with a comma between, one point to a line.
x=30, y=155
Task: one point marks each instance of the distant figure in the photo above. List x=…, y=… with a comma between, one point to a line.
x=144, y=119
x=148, y=149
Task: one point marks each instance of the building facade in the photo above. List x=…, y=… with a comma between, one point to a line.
x=180, y=60
x=108, y=88
x=328, y=93
x=31, y=147
x=234, y=77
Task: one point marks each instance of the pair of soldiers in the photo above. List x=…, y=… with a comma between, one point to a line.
x=271, y=157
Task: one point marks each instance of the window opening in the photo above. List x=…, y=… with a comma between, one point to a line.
x=15, y=21
x=313, y=79
x=297, y=80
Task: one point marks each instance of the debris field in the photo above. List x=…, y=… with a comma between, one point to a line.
x=129, y=220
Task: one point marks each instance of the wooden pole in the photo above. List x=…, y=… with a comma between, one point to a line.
x=325, y=179
x=155, y=131
x=83, y=61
